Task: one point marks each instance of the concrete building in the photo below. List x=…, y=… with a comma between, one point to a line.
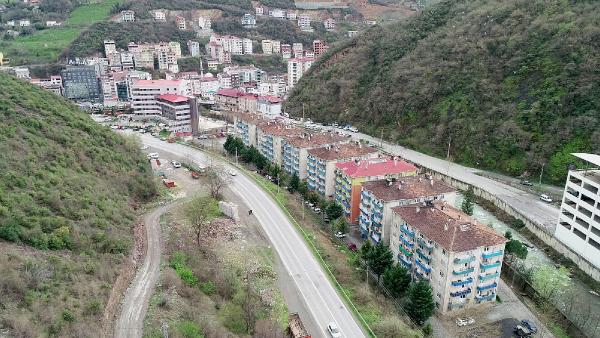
x=379, y=197
x=110, y=47
x=52, y=84
x=204, y=22
x=24, y=23
x=286, y=51
x=350, y=176
x=298, y=49
x=179, y=112
x=181, y=23
x=53, y=23
x=321, y=164
x=269, y=105
x=460, y=257
x=193, y=48
x=579, y=221
x=228, y=99
x=21, y=72
x=267, y=46
x=80, y=83
x=259, y=10
x=319, y=47
x=271, y=137
x=127, y=16
x=276, y=46
x=291, y=15
x=245, y=126
x=295, y=150
x=304, y=23
x=329, y=24
x=296, y=68
x=145, y=92
x=247, y=46
x=248, y=20
x=160, y=15
x=277, y=13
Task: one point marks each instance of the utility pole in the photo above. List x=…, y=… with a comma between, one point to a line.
x=236, y=157
x=542, y=173
x=302, y=111
x=448, y=152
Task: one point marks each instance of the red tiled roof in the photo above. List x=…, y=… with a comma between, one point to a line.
x=375, y=167
x=342, y=151
x=450, y=228
x=271, y=99
x=230, y=92
x=173, y=98
x=279, y=129
x=315, y=140
x=407, y=188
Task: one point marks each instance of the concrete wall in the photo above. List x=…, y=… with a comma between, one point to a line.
x=538, y=230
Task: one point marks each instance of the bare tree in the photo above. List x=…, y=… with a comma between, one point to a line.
x=200, y=212
x=250, y=304
x=218, y=179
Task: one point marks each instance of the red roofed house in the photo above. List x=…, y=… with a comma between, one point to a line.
x=144, y=93
x=460, y=257
x=351, y=175
x=179, y=112
x=379, y=197
x=228, y=99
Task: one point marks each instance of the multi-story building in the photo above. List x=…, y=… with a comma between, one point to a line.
x=246, y=128
x=291, y=15
x=127, y=16
x=81, y=83
x=267, y=46
x=181, y=23
x=247, y=46
x=460, y=257
x=297, y=49
x=296, y=68
x=350, y=176
x=276, y=46
x=320, y=47
x=271, y=137
x=286, y=51
x=160, y=15
x=579, y=221
x=193, y=48
x=21, y=72
x=329, y=24
x=269, y=105
x=304, y=22
x=321, y=164
x=248, y=103
x=228, y=99
x=145, y=92
x=110, y=47
x=216, y=51
x=204, y=22
x=259, y=10
x=53, y=84
x=379, y=197
x=179, y=112
x=277, y=13
x=248, y=20
x=295, y=150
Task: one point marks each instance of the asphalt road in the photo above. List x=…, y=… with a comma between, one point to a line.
x=135, y=304
x=530, y=205
x=311, y=281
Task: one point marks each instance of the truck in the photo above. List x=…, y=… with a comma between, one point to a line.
x=296, y=328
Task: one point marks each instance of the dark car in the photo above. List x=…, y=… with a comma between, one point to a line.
x=526, y=183
x=352, y=247
x=529, y=325
x=521, y=331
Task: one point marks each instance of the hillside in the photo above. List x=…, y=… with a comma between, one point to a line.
x=67, y=191
x=512, y=85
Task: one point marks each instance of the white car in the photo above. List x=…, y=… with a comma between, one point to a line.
x=340, y=234
x=545, y=198
x=464, y=321
x=176, y=164
x=153, y=155
x=353, y=129
x=334, y=330
x=232, y=173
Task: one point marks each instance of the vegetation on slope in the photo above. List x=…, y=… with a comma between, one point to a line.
x=510, y=85
x=67, y=187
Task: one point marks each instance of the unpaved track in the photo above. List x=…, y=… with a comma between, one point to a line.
x=135, y=304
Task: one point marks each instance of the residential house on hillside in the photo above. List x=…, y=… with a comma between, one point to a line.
x=460, y=257
x=159, y=15
x=304, y=23
x=127, y=16
x=248, y=21
x=181, y=23
x=329, y=24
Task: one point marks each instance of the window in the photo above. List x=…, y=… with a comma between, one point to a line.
x=439, y=295
x=444, y=252
x=442, y=273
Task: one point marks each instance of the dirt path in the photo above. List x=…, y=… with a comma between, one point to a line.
x=135, y=304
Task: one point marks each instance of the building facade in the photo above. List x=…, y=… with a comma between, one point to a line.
x=81, y=83
x=295, y=150
x=296, y=67
x=145, y=92
x=179, y=112
x=271, y=138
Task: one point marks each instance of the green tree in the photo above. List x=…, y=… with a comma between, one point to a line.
x=467, y=204
x=334, y=210
x=397, y=280
x=341, y=225
x=508, y=235
x=303, y=189
x=200, y=212
x=294, y=183
x=515, y=249
x=550, y=282
x=366, y=251
x=381, y=258
x=420, y=301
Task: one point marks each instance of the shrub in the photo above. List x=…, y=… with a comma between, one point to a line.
x=208, y=288
x=178, y=261
x=189, y=329
x=68, y=315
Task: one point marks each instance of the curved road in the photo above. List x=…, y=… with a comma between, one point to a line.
x=135, y=304
x=311, y=281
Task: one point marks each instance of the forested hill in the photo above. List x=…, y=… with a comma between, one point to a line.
x=511, y=84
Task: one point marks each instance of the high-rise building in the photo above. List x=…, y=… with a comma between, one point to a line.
x=145, y=92
x=296, y=68
x=81, y=83
x=193, y=48
x=179, y=112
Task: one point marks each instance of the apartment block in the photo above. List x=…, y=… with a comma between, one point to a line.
x=246, y=128
x=379, y=197
x=295, y=150
x=350, y=176
x=248, y=20
x=321, y=164
x=179, y=112
x=52, y=84
x=204, y=22
x=127, y=16
x=271, y=137
x=193, y=48
x=80, y=83
x=269, y=105
x=304, y=22
x=460, y=257
x=296, y=68
x=160, y=15
x=329, y=24
x=267, y=46
x=319, y=47
x=145, y=92
x=579, y=221
x=181, y=23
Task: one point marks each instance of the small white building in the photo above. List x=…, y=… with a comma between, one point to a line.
x=24, y=23
x=193, y=48
x=127, y=16
x=329, y=24
x=247, y=46
x=277, y=13
x=248, y=20
x=53, y=23
x=269, y=105
x=204, y=22
x=160, y=15
x=291, y=15
x=21, y=72
x=10, y=23
x=352, y=33
x=259, y=10
x=304, y=23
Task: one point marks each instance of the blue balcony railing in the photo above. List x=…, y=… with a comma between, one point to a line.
x=490, y=266
x=423, y=266
x=486, y=298
x=486, y=287
x=406, y=242
x=423, y=256
x=461, y=293
x=464, y=260
x=404, y=261
x=492, y=254
x=488, y=277
x=462, y=282
x=463, y=272
x=405, y=230
x=425, y=245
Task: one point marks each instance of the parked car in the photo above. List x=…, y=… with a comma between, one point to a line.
x=353, y=129
x=334, y=330
x=176, y=164
x=232, y=173
x=340, y=234
x=464, y=321
x=153, y=155
x=521, y=331
x=526, y=182
x=529, y=325
x=352, y=247
x=317, y=210
x=545, y=198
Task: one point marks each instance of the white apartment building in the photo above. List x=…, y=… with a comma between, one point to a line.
x=144, y=93
x=277, y=13
x=160, y=15
x=579, y=221
x=321, y=164
x=248, y=20
x=276, y=46
x=259, y=10
x=110, y=47
x=295, y=150
x=193, y=48
x=24, y=23
x=329, y=24
x=269, y=105
x=290, y=15
x=127, y=16
x=267, y=46
x=181, y=23
x=296, y=68
x=297, y=48
x=460, y=257
x=247, y=46
x=204, y=22
x=378, y=197
x=304, y=22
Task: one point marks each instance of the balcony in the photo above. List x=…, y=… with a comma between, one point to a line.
x=419, y=275
x=425, y=245
x=423, y=256
x=488, y=277
x=492, y=254
x=463, y=272
x=423, y=266
x=465, y=260
x=404, y=251
x=407, y=243
x=462, y=282
x=404, y=261
x=486, y=287
x=405, y=230
x=460, y=293
x=489, y=266
x=486, y=298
